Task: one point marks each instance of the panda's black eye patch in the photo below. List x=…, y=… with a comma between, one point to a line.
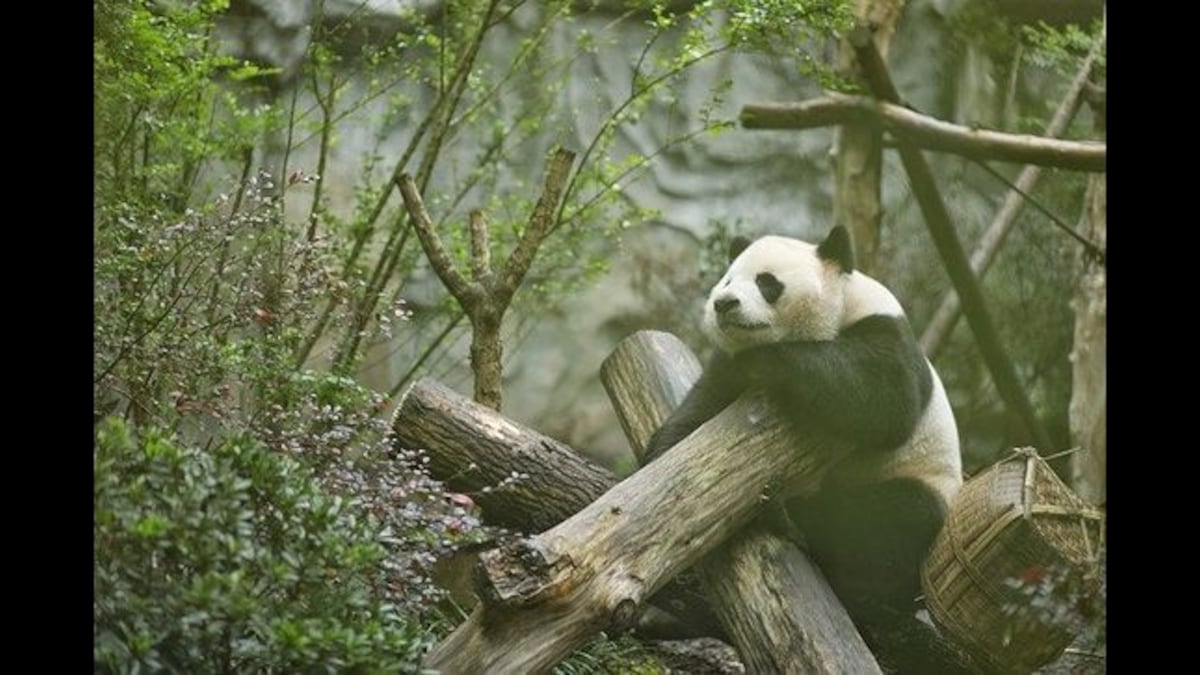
x=770, y=287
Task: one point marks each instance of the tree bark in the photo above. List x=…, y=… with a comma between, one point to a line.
x=775, y=604
x=543, y=596
x=1088, y=410
x=857, y=203
x=921, y=131
x=475, y=450
x=487, y=353
x=472, y=448
x=782, y=614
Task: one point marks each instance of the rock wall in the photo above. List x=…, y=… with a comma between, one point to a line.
x=754, y=181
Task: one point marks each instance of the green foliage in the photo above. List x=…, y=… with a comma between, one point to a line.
x=1060, y=49
x=1036, y=60
x=982, y=24
x=787, y=27
x=164, y=119
x=250, y=512
x=159, y=112
x=198, y=318
x=232, y=559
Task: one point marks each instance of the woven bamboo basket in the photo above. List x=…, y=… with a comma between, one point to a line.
x=1014, y=516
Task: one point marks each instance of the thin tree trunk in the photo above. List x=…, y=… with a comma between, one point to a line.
x=941, y=230
x=1089, y=386
x=857, y=203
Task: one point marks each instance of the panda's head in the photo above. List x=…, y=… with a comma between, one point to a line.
x=779, y=289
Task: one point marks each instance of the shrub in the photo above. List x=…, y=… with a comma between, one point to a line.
x=232, y=558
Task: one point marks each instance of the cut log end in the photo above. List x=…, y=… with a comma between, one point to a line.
x=624, y=616
x=518, y=572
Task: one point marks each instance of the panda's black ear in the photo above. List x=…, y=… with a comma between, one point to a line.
x=737, y=245
x=838, y=248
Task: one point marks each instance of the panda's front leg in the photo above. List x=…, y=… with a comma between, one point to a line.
x=719, y=385
x=775, y=365
x=766, y=366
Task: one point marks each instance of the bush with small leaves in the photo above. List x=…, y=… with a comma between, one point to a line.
x=232, y=559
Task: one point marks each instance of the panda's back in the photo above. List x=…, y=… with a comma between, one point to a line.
x=930, y=455
x=865, y=297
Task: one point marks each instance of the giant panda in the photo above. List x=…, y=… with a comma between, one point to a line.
x=834, y=352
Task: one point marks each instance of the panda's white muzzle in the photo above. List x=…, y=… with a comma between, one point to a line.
x=730, y=316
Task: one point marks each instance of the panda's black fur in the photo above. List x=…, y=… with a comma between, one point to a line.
x=857, y=375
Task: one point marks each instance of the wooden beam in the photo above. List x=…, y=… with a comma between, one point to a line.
x=926, y=132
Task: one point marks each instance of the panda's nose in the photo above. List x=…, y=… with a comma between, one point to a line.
x=723, y=305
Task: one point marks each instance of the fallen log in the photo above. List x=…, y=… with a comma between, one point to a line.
x=543, y=596
x=475, y=450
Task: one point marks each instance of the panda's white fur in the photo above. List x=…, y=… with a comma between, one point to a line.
x=812, y=308
x=818, y=301
x=833, y=347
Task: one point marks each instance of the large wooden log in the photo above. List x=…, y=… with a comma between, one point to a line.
x=473, y=449
x=774, y=603
x=543, y=596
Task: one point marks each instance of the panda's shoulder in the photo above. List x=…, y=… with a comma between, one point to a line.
x=867, y=297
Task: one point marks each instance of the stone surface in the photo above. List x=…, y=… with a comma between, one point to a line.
x=753, y=181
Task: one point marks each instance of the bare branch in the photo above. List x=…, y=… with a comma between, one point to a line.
x=481, y=254
x=459, y=287
x=539, y=223
x=927, y=132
